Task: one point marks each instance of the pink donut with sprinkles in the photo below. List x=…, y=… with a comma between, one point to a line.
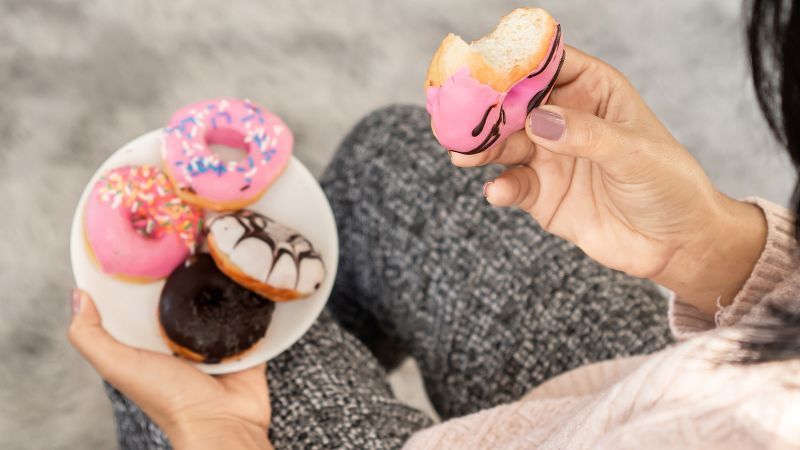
x=136, y=227
x=203, y=178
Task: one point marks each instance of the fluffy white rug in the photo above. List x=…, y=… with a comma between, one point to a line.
x=80, y=78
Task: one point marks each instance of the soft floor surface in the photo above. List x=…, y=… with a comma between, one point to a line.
x=80, y=78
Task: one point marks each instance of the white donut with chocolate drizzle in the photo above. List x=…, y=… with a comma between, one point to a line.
x=266, y=252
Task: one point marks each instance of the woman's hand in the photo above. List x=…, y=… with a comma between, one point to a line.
x=597, y=168
x=195, y=410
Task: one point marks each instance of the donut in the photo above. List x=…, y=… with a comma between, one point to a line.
x=264, y=256
x=136, y=227
x=479, y=93
x=205, y=317
x=204, y=179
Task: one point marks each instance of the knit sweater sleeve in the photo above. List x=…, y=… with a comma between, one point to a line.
x=772, y=267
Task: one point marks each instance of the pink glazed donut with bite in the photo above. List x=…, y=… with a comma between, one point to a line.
x=135, y=226
x=204, y=179
x=478, y=94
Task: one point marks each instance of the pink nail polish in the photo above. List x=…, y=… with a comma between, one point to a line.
x=546, y=124
x=485, y=186
x=76, y=301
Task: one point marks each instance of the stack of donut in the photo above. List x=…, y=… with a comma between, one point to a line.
x=145, y=223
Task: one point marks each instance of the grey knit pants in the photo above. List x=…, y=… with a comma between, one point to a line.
x=487, y=303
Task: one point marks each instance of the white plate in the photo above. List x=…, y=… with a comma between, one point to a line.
x=128, y=310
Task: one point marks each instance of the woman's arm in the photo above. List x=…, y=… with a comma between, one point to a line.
x=709, y=274
x=777, y=262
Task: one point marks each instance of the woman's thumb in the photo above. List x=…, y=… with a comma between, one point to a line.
x=84, y=313
x=87, y=335
x=575, y=133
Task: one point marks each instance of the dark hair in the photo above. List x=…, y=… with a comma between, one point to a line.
x=773, y=37
x=775, y=336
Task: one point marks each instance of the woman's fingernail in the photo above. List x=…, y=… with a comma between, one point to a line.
x=76, y=301
x=546, y=124
x=486, y=186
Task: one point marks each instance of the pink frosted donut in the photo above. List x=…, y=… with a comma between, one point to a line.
x=472, y=103
x=135, y=225
x=201, y=176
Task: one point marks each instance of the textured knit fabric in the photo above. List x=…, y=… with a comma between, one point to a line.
x=488, y=304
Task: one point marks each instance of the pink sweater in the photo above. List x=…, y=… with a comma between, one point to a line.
x=680, y=397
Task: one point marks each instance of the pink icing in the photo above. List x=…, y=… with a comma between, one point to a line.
x=136, y=226
x=459, y=106
x=233, y=123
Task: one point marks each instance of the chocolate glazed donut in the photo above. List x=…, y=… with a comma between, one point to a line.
x=207, y=317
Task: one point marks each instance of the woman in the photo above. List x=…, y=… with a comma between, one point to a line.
x=492, y=306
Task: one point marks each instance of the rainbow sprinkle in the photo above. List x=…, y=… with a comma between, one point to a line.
x=154, y=207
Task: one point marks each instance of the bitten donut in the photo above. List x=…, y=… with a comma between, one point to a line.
x=136, y=227
x=264, y=256
x=201, y=176
x=478, y=94
x=206, y=317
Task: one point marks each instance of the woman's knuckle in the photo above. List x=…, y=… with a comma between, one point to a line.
x=591, y=136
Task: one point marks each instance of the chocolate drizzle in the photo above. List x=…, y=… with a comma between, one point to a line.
x=552, y=53
x=479, y=127
x=538, y=98
x=206, y=312
x=494, y=133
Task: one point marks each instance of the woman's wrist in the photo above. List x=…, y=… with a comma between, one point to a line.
x=711, y=269
x=214, y=434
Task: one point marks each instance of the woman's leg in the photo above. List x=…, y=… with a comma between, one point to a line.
x=486, y=302
x=327, y=391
